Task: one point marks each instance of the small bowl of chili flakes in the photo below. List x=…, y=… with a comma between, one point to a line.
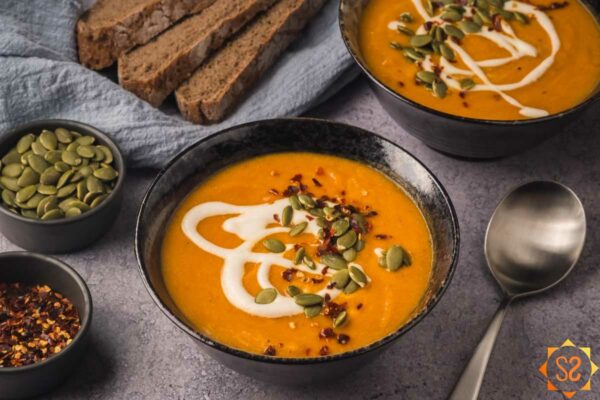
x=45, y=318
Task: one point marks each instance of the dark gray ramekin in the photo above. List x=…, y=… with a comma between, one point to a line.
x=452, y=134
x=222, y=149
x=31, y=268
x=67, y=234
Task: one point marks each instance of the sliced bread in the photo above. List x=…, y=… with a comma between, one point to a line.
x=155, y=70
x=112, y=27
x=220, y=83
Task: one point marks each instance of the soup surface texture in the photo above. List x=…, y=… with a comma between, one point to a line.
x=216, y=264
x=491, y=59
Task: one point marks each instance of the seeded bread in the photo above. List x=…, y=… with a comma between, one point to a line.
x=221, y=82
x=112, y=27
x=155, y=70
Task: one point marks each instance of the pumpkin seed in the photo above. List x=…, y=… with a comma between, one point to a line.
x=63, y=135
x=347, y=240
x=316, y=212
x=429, y=7
x=412, y=54
x=98, y=200
x=351, y=287
x=308, y=299
x=341, y=319
x=29, y=214
x=396, y=46
x=447, y=52
x=299, y=256
x=94, y=185
x=360, y=245
x=477, y=19
x=451, y=16
x=321, y=222
x=48, y=140
x=340, y=279
x=85, y=140
x=293, y=290
x=331, y=213
x=483, y=15
x=425, y=76
x=64, y=178
x=453, y=31
x=439, y=88
x=61, y=166
x=286, y=215
x=360, y=221
x=37, y=163
x=52, y=214
x=47, y=189
x=358, y=276
x=394, y=258
x=307, y=201
x=469, y=26
x=24, y=144
x=312, y=311
x=73, y=212
x=308, y=261
x=454, y=7
x=86, y=151
x=420, y=40
x=76, y=177
x=298, y=229
x=350, y=255
x=41, y=208
x=28, y=177
x=8, y=197
x=50, y=176
x=340, y=227
x=33, y=202
x=38, y=149
x=467, y=84
x=507, y=15
x=10, y=183
x=334, y=261
x=439, y=34
x=11, y=157
x=26, y=193
x=522, y=18
x=274, y=245
x=266, y=296
x=13, y=170
x=405, y=30
x=407, y=260
x=296, y=205
x=73, y=147
x=53, y=156
x=66, y=190
x=406, y=17
x=71, y=158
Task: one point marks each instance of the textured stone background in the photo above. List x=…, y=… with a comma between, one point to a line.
x=136, y=353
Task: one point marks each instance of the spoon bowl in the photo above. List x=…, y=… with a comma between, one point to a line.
x=535, y=237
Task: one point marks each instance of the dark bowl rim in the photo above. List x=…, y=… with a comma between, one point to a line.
x=595, y=96
x=87, y=129
x=88, y=305
x=291, y=360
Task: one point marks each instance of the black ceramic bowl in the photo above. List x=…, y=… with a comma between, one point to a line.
x=67, y=234
x=215, y=152
x=460, y=136
x=31, y=268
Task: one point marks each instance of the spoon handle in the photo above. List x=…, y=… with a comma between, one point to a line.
x=467, y=387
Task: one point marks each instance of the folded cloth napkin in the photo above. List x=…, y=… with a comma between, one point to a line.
x=41, y=78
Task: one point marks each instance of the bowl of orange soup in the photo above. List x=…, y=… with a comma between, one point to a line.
x=295, y=250
x=478, y=78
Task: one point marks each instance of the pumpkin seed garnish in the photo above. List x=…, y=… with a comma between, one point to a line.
x=312, y=311
x=347, y=240
x=425, y=76
x=52, y=214
x=299, y=256
x=296, y=205
x=340, y=227
x=394, y=258
x=396, y=46
x=298, y=229
x=351, y=287
x=286, y=215
x=308, y=299
x=307, y=201
x=308, y=261
x=334, y=261
x=420, y=40
x=274, y=245
x=406, y=17
x=358, y=276
x=13, y=170
x=293, y=290
x=341, y=319
x=24, y=143
x=453, y=31
x=447, y=52
x=360, y=245
x=266, y=296
x=522, y=18
x=469, y=26
x=340, y=279
x=467, y=84
x=413, y=55
x=405, y=30
x=349, y=255
x=451, y=16
x=439, y=88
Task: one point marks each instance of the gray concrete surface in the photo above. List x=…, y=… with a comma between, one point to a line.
x=136, y=353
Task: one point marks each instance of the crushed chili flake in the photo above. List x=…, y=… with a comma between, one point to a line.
x=324, y=350
x=274, y=192
x=326, y=333
x=553, y=6
x=289, y=274
x=382, y=236
x=276, y=217
x=343, y=338
x=316, y=182
x=333, y=309
x=35, y=323
x=320, y=171
x=270, y=351
x=296, y=178
x=359, y=306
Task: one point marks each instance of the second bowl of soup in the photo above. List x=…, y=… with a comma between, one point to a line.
x=294, y=250
x=478, y=78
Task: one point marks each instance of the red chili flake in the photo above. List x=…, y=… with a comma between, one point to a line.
x=343, y=339
x=326, y=333
x=309, y=217
x=297, y=246
x=296, y=178
x=324, y=351
x=304, y=188
x=307, y=352
x=327, y=297
x=372, y=213
x=276, y=217
x=324, y=270
x=400, y=83
x=316, y=182
x=270, y=351
x=333, y=309
x=280, y=344
x=359, y=306
x=497, y=22
x=289, y=274
x=35, y=323
x=274, y=192
x=343, y=192
x=465, y=104
x=320, y=171
x=553, y=6
x=331, y=285
x=382, y=236
x=462, y=94
x=428, y=25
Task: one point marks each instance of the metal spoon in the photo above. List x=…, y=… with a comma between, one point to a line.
x=533, y=241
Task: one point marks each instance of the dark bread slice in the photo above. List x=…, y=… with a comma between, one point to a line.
x=111, y=27
x=155, y=70
x=221, y=82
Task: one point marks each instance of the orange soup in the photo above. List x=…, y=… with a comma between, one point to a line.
x=297, y=255
x=486, y=59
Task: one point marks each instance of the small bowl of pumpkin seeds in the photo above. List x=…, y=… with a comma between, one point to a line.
x=60, y=185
